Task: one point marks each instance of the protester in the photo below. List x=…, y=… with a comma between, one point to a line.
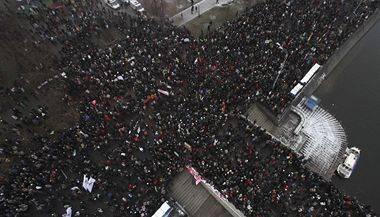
x=159, y=99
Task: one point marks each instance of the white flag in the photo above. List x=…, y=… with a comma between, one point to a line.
x=163, y=92
x=88, y=183
x=91, y=182
x=68, y=212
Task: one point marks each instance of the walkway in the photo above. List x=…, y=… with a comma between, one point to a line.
x=202, y=6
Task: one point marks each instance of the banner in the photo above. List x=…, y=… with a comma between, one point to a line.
x=198, y=178
x=88, y=183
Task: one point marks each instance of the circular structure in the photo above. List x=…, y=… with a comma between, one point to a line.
x=326, y=140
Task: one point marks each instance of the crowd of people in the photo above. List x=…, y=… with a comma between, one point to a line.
x=282, y=37
x=159, y=99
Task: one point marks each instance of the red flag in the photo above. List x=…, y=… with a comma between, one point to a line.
x=93, y=102
x=223, y=108
x=107, y=117
x=150, y=98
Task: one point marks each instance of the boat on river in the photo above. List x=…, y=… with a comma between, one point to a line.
x=348, y=165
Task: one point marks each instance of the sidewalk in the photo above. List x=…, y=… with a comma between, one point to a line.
x=203, y=7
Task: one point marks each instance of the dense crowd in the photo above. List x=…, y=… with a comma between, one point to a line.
x=286, y=37
x=159, y=100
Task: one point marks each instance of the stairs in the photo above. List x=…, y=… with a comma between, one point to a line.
x=186, y=193
x=254, y=113
x=195, y=199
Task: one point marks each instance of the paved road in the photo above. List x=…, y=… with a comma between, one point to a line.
x=202, y=6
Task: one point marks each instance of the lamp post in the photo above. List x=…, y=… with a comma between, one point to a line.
x=282, y=65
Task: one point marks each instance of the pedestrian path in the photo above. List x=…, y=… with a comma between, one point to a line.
x=203, y=6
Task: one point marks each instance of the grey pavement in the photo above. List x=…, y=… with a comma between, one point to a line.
x=203, y=6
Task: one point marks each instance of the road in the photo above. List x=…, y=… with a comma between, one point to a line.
x=203, y=6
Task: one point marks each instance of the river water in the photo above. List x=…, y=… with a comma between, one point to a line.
x=352, y=94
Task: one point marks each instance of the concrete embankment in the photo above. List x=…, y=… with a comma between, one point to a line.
x=338, y=56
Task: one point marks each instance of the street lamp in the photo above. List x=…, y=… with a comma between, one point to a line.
x=282, y=65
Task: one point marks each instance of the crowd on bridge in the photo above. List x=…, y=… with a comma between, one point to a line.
x=159, y=99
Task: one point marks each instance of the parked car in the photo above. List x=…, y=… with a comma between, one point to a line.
x=135, y=5
x=113, y=4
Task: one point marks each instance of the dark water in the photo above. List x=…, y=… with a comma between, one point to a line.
x=352, y=94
